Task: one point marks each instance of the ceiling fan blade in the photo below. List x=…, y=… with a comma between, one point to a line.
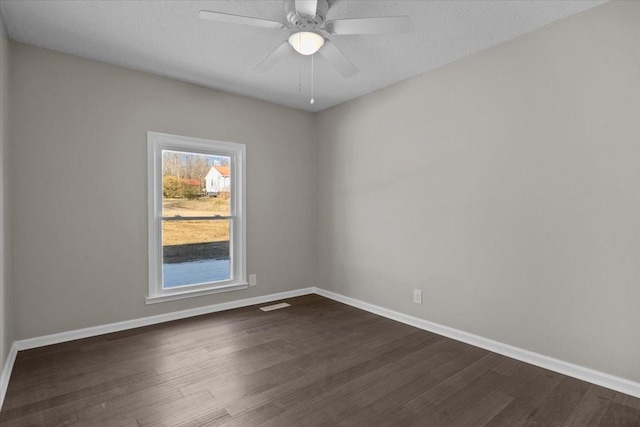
x=336, y=58
x=273, y=58
x=386, y=25
x=238, y=19
x=307, y=7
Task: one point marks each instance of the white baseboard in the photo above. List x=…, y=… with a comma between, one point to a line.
x=6, y=372
x=576, y=371
x=586, y=374
x=93, y=331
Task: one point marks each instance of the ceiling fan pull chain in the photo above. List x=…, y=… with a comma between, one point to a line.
x=300, y=73
x=312, y=100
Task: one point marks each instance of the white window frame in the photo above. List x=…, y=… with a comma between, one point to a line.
x=156, y=143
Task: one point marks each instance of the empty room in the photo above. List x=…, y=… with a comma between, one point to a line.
x=319, y=213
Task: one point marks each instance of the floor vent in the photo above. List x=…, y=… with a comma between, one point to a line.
x=275, y=306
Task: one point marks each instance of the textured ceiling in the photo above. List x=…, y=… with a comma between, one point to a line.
x=168, y=38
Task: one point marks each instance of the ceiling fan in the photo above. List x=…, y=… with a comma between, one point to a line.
x=307, y=25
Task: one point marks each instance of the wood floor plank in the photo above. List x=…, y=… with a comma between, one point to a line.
x=619, y=415
x=99, y=409
x=395, y=415
x=560, y=404
x=317, y=363
x=81, y=395
x=591, y=408
x=530, y=387
x=625, y=399
x=339, y=403
x=426, y=381
x=445, y=412
x=254, y=416
x=128, y=348
x=483, y=410
x=362, y=418
x=200, y=407
x=313, y=398
x=507, y=366
x=126, y=406
x=320, y=371
x=445, y=389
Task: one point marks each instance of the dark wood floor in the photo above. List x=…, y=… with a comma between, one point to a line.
x=315, y=363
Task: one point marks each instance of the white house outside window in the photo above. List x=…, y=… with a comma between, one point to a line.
x=196, y=221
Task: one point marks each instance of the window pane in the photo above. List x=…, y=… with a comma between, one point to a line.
x=196, y=216
x=195, y=184
x=195, y=251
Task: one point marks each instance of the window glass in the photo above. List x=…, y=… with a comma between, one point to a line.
x=196, y=228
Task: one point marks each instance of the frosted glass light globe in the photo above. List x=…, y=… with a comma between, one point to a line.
x=306, y=42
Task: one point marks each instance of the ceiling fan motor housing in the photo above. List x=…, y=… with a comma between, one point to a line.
x=307, y=24
x=304, y=22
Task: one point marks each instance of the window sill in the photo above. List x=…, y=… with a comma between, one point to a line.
x=234, y=286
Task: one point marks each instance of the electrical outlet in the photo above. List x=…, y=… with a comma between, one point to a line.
x=253, y=280
x=417, y=296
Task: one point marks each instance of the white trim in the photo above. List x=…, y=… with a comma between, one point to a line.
x=227, y=287
x=77, y=334
x=156, y=142
x=595, y=377
x=566, y=368
x=6, y=372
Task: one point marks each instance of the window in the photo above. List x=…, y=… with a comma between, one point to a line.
x=196, y=218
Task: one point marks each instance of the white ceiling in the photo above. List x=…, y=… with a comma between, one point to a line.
x=167, y=38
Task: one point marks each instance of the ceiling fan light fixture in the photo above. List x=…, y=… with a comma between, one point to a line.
x=306, y=42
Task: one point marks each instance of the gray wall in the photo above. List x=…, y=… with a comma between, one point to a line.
x=506, y=186
x=6, y=306
x=79, y=197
